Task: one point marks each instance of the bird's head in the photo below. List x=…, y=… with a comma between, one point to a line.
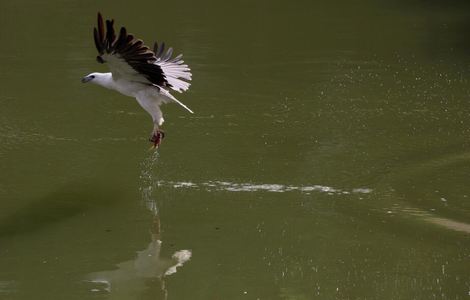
x=103, y=79
x=89, y=77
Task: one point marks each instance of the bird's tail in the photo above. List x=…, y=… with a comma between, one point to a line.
x=170, y=96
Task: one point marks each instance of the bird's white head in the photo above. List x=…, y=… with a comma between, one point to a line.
x=97, y=78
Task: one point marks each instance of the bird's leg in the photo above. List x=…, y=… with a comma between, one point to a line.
x=157, y=136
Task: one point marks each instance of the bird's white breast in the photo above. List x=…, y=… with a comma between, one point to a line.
x=129, y=88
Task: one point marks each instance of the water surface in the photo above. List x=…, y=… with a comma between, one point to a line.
x=328, y=157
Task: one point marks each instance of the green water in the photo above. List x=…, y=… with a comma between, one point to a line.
x=328, y=158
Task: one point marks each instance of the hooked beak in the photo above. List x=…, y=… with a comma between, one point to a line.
x=86, y=79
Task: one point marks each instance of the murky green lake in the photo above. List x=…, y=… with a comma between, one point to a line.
x=328, y=158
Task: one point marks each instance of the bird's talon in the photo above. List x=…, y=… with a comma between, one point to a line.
x=157, y=138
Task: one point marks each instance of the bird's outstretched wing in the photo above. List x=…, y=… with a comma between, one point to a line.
x=129, y=58
x=174, y=69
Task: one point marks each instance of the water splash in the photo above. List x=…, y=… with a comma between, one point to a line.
x=256, y=187
x=149, y=182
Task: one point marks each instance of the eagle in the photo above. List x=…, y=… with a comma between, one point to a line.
x=137, y=71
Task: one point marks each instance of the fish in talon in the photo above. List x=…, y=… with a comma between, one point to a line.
x=157, y=138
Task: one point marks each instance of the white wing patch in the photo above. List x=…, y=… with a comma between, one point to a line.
x=174, y=71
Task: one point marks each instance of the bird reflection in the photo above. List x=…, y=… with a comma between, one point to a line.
x=148, y=269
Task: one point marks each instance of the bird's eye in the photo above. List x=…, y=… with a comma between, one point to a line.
x=92, y=76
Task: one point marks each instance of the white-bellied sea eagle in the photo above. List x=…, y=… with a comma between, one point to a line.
x=139, y=72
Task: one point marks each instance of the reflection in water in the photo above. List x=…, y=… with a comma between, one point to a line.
x=133, y=277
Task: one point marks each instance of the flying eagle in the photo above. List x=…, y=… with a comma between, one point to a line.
x=139, y=72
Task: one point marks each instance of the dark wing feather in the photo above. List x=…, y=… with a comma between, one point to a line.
x=165, y=57
x=160, y=50
x=132, y=50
